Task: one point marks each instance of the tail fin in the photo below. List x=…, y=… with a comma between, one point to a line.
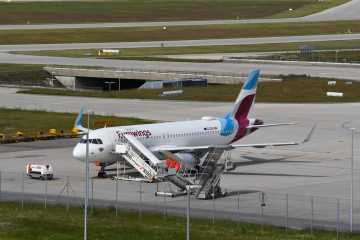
x=246, y=96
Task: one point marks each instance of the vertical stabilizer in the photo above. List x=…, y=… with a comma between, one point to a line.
x=246, y=96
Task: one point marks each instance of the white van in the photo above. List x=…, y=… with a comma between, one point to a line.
x=41, y=171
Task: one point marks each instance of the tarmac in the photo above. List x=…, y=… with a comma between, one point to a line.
x=319, y=168
x=296, y=180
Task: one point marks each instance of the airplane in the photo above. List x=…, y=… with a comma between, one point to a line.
x=180, y=144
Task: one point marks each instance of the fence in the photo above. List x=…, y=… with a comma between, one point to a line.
x=285, y=210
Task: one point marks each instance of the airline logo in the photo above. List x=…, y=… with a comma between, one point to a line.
x=136, y=133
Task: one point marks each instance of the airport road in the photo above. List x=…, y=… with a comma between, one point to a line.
x=182, y=43
x=340, y=72
x=347, y=11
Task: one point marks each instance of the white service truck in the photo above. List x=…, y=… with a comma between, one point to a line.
x=41, y=171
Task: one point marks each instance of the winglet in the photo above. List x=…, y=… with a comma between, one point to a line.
x=308, y=137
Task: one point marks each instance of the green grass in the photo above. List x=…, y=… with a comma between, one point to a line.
x=35, y=223
x=30, y=122
x=154, y=10
x=175, y=32
x=156, y=53
x=295, y=89
x=352, y=56
x=314, y=7
x=23, y=75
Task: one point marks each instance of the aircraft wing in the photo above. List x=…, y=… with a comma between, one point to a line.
x=181, y=148
x=232, y=146
x=269, y=125
x=227, y=147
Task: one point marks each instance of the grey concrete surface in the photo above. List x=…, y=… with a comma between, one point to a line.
x=180, y=43
x=350, y=73
x=318, y=168
x=348, y=11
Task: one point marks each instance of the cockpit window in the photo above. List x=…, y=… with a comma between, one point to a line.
x=93, y=141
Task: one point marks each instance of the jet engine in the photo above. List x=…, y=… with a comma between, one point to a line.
x=188, y=160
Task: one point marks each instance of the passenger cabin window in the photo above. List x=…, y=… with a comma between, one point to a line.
x=93, y=141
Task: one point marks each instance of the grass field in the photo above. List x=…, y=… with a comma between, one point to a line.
x=31, y=122
x=35, y=223
x=307, y=9
x=154, y=10
x=352, y=56
x=23, y=74
x=296, y=89
x=156, y=53
x=176, y=32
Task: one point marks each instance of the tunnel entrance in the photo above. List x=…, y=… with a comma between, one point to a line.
x=107, y=84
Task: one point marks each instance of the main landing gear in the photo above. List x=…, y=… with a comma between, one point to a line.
x=102, y=173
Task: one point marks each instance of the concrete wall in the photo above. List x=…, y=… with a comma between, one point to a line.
x=139, y=75
x=68, y=82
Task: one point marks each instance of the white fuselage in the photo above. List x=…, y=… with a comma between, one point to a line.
x=180, y=134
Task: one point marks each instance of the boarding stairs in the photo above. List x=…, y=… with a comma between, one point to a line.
x=144, y=161
x=209, y=177
x=178, y=180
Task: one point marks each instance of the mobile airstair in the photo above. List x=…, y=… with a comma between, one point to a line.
x=138, y=156
x=205, y=186
x=209, y=177
x=146, y=163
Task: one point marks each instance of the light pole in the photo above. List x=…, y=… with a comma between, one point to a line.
x=353, y=131
x=52, y=79
x=86, y=177
x=336, y=55
x=188, y=188
x=352, y=180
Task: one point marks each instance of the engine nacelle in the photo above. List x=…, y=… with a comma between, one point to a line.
x=187, y=160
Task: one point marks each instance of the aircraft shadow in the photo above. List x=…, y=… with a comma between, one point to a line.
x=270, y=174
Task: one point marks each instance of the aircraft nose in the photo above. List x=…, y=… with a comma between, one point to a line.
x=79, y=153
